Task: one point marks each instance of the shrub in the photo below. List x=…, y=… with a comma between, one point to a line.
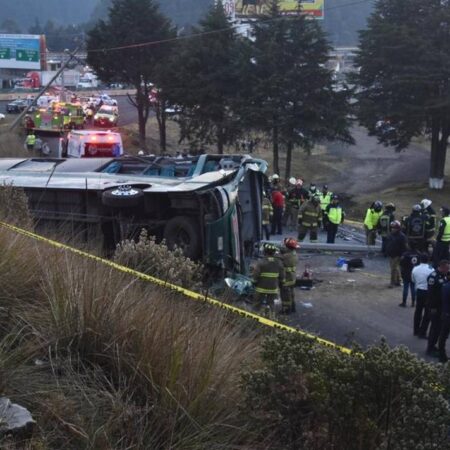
x=309, y=397
x=157, y=260
x=14, y=206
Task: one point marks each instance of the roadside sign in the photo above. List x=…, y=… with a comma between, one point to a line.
x=5, y=53
x=27, y=55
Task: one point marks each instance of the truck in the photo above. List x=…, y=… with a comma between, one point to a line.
x=207, y=205
x=91, y=143
x=88, y=81
x=57, y=117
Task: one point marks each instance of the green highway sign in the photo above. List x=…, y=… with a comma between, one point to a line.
x=5, y=53
x=27, y=55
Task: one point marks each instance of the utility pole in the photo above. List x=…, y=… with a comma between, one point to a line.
x=44, y=89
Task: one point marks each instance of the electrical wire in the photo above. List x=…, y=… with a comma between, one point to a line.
x=220, y=30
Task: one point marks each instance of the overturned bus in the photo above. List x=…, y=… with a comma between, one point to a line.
x=209, y=205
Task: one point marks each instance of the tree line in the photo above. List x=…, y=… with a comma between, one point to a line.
x=275, y=82
x=223, y=85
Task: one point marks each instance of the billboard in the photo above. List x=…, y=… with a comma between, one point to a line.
x=21, y=51
x=255, y=8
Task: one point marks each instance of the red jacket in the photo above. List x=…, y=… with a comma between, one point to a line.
x=277, y=199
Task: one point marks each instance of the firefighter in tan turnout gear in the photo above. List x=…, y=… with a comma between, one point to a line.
x=309, y=217
x=268, y=277
x=289, y=259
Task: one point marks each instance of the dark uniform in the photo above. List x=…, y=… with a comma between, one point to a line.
x=334, y=217
x=384, y=229
x=445, y=323
x=441, y=251
x=268, y=276
x=414, y=226
x=430, y=224
x=433, y=310
x=289, y=259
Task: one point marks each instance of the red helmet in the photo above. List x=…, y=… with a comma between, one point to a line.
x=291, y=243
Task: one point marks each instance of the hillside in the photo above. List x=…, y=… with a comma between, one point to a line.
x=25, y=12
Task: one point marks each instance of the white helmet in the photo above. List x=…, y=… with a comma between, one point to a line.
x=275, y=176
x=141, y=153
x=292, y=181
x=425, y=203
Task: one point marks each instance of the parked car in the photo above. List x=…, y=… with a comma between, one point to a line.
x=17, y=106
x=107, y=116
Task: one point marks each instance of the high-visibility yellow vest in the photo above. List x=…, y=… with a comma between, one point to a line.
x=372, y=218
x=446, y=234
x=325, y=200
x=31, y=139
x=335, y=214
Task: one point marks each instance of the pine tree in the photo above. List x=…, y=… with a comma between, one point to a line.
x=404, y=77
x=205, y=82
x=130, y=23
x=290, y=93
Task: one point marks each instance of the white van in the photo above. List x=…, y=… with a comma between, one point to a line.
x=91, y=143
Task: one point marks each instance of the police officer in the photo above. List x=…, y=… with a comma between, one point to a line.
x=30, y=141
x=267, y=212
x=308, y=219
x=414, y=227
x=434, y=304
x=445, y=323
x=325, y=197
x=441, y=250
x=268, y=276
x=384, y=225
x=289, y=259
x=334, y=217
x=371, y=220
x=313, y=191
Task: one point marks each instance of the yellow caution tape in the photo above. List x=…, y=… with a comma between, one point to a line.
x=187, y=293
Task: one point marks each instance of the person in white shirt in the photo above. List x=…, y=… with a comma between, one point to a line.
x=419, y=277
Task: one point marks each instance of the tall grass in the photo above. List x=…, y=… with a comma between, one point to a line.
x=123, y=364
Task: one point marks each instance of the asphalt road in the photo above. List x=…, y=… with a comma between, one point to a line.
x=127, y=116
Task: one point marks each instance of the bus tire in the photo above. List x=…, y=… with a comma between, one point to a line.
x=123, y=197
x=184, y=232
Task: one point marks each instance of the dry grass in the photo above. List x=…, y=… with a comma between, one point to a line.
x=11, y=143
x=105, y=361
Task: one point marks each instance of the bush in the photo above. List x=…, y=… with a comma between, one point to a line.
x=157, y=260
x=14, y=206
x=309, y=397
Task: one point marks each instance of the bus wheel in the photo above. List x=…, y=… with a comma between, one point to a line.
x=184, y=232
x=123, y=197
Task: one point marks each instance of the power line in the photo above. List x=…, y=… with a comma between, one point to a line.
x=221, y=30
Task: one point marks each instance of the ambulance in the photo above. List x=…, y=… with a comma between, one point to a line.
x=91, y=144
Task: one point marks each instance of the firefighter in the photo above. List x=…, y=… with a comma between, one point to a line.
x=430, y=224
x=309, y=216
x=414, y=228
x=267, y=212
x=371, y=220
x=289, y=259
x=292, y=205
x=278, y=208
x=334, y=217
x=30, y=141
x=384, y=223
x=268, y=276
x=441, y=250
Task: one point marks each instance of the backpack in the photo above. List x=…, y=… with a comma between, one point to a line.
x=416, y=227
